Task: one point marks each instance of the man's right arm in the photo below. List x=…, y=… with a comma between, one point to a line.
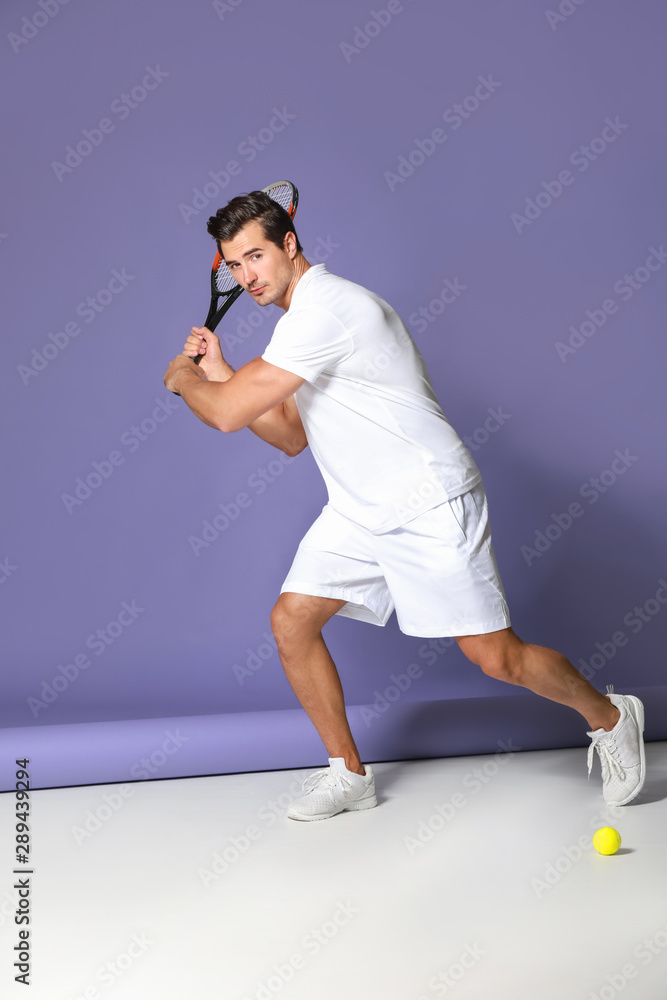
x=280, y=427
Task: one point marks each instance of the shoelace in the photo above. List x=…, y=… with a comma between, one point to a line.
x=609, y=761
x=608, y=752
x=326, y=777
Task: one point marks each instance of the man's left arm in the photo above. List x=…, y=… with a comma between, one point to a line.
x=231, y=405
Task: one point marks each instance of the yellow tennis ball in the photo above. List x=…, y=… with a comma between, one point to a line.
x=606, y=840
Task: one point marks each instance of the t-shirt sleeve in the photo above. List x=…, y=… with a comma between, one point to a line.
x=308, y=342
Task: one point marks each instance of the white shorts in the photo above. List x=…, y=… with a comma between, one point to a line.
x=438, y=571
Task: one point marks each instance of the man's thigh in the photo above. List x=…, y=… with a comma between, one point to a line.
x=335, y=559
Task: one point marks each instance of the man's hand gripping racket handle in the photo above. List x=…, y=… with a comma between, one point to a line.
x=198, y=335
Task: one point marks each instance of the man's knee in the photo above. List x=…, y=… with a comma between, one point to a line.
x=496, y=653
x=294, y=614
x=501, y=668
x=286, y=614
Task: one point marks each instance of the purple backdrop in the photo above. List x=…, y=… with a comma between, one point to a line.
x=496, y=171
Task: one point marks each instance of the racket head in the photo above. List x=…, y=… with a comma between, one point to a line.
x=286, y=194
x=223, y=281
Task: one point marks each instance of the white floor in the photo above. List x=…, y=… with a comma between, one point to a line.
x=473, y=878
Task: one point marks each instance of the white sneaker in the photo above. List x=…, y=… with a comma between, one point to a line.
x=621, y=751
x=333, y=789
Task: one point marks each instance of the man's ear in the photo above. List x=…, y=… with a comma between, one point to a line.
x=289, y=245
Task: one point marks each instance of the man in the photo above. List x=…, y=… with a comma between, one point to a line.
x=406, y=526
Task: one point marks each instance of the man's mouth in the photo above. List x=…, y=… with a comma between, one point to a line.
x=256, y=291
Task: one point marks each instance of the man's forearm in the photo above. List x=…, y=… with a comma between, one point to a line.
x=222, y=372
x=202, y=396
x=271, y=427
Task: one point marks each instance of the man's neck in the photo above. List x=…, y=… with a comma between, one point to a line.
x=301, y=265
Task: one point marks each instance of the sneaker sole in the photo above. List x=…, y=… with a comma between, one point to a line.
x=350, y=806
x=636, y=710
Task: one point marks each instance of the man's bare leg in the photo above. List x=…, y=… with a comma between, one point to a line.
x=544, y=671
x=297, y=621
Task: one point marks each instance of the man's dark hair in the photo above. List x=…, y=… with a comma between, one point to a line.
x=259, y=206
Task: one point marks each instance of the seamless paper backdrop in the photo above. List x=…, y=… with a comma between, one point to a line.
x=496, y=171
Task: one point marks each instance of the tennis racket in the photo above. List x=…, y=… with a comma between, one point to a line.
x=223, y=283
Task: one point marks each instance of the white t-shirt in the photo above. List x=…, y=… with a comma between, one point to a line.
x=374, y=425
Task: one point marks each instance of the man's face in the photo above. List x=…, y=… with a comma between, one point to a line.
x=259, y=266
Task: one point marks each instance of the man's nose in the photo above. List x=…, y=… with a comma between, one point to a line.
x=249, y=274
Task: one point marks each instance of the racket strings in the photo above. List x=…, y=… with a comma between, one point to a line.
x=284, y=194
x=225, y=281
